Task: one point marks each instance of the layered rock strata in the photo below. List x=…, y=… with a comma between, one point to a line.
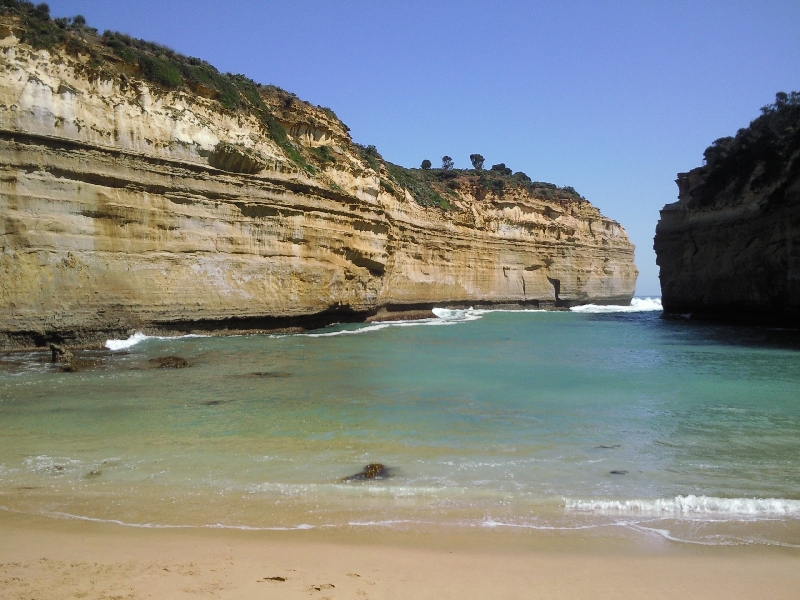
x=729, y=248
x=127, y=207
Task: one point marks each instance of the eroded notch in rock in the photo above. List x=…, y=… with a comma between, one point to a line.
x=237, y=159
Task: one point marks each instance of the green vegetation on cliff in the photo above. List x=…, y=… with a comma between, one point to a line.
x=433, y=187
x=764, y=155
x=115, y=55
x=120, y=55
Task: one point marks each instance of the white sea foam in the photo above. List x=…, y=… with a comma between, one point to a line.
x=457, y=315
x=636, y=305
x=691, y=506
x=140, y=337
x=444, y=316
x=376, y=327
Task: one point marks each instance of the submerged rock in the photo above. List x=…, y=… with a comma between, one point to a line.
x=77, y=365
x=170, y=362
x=270, y=374
x=371, y=471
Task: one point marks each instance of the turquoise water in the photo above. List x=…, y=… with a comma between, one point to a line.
x=488, y=419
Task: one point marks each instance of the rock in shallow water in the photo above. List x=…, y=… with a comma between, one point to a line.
x=170, y=362
x=60, y=354
x=76, y=365
x=371, y=471
x=269, y=374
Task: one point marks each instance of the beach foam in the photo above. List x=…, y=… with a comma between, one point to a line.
x=636, y=305
x=691, y=506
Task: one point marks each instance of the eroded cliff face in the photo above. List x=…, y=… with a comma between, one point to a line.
x=729, y=249
x=124, y=206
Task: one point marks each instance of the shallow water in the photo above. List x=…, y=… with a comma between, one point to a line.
x=486, y=419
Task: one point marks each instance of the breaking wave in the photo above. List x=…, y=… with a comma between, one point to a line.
x=443, y=316
x=636, y=305
x=140, y=337
x=691, y=506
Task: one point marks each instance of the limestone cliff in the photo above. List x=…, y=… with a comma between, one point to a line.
x=730, y=247
x=125, y=204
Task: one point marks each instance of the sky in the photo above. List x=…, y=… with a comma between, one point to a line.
x=611, y=98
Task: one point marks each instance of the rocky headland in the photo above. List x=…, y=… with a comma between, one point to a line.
x=144, y=190
x=729, y=248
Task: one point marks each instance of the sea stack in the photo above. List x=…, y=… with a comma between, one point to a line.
x=729, y=248
x=145, y=190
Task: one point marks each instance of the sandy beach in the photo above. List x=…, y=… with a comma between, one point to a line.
x=54, y=558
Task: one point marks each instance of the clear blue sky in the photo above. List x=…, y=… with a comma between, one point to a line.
x=612, y=98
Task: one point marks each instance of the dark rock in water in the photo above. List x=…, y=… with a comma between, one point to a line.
x=273, y=374
x=611, y=447
x=59, y=354
x=93, y=473
x=620, y=472
x=170, y=362
x=77, y=365
x=371, y=471
x=11, y=365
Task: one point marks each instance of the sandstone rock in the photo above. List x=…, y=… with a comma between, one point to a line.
x=60, y=354
x=115, y=217
x=236, y=158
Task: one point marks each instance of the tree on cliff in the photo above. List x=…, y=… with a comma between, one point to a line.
x=426, y=164
x=765, y=154
x=502, y=169
x=447, y=163
x=477, y=161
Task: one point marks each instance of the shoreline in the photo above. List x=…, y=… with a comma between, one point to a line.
x=56, y=558
x=94, y=338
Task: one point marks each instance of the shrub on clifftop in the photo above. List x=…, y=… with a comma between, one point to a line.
x=764, y=154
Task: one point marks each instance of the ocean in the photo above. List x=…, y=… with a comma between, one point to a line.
x=606, y=420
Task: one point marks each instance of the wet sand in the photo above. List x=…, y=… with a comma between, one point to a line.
x=53, y=558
